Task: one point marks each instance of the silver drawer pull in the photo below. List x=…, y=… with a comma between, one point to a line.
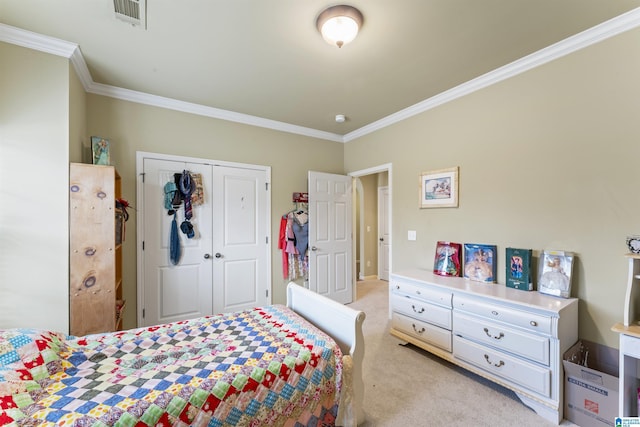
x=495, y=313
x=533, y=323
x=418, y=331
x=418, y=292
x=418, y=311
x=497, y=365
x=397, y=286
x=495, y=337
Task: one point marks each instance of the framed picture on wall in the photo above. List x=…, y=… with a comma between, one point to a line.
x=439, y=188
x=100, y=151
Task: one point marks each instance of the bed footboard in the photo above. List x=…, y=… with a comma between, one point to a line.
x=342, y=323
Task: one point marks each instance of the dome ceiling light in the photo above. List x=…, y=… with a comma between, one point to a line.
x=339, y=25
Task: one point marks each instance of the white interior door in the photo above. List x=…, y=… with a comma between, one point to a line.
x=330, y=236
x=174, y=292
x=384, y=235
x=241, y=251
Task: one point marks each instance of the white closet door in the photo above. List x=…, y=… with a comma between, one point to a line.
x=226, y=266
x=241, y=257
x=182, y=291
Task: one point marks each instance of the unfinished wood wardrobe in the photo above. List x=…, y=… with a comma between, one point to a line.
x=96, y=233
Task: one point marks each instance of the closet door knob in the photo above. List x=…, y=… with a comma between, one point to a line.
x=207, y=256
x=313, y=248
x=218, y=255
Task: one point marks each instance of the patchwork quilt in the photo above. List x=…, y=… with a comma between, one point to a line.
x=265, y=366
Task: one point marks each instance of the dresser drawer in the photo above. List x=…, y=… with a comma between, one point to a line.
x=531, y=346
x=423, y=331
x=528, y=375
x=436, y=296
x=421, y=310
x=532, y=321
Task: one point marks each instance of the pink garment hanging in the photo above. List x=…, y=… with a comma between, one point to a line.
x=282, y=245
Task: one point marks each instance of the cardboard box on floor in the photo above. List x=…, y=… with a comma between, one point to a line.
x=591, y=391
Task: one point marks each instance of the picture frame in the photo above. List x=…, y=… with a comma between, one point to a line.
x=439, y=188
x=447, y=260
x=555, y=271
x=100, y=151
x=480, y=262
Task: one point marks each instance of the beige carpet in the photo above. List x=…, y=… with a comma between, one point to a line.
x=406, y=386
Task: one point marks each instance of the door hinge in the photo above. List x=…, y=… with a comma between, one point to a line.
x=143, y=313
x=266, y=293
x=143, y=245
x=266, y=186
x=266, y=240
x=143, y=174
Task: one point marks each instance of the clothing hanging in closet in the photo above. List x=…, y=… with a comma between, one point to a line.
x=294, y=243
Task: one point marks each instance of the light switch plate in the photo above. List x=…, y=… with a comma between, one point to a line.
x=411, y=235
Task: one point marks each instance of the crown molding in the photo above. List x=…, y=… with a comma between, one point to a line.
x=607, y=29
x=71, y=51
x=36, y=41
x=610, y=28
x=203, y=110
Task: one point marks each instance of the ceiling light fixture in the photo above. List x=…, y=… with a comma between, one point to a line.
x=339, y=25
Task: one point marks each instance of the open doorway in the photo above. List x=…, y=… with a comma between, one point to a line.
x=372, y=223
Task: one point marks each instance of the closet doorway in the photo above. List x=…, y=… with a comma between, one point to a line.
x=373, y=219
x=225, y=266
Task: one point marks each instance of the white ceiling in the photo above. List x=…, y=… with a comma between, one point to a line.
x=265, y=58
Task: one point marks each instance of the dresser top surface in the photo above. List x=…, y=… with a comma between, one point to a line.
x=488, y=290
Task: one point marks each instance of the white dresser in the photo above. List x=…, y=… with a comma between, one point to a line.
x=511, y=337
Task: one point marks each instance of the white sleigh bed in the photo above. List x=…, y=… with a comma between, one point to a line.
x=290, y=366
x=344, y=325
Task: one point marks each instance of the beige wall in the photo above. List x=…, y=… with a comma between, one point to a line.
x=548, y=160
x=34, y=159
x=135, y=127
x=79, y=144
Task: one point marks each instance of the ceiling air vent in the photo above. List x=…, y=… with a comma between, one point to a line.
x=131, y=11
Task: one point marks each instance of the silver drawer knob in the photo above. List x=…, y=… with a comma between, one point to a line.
x=533, y=323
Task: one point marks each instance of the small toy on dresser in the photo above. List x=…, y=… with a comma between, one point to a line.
x=447, y=259
x=555, y=273
x=480, y=262
x=518, y=269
